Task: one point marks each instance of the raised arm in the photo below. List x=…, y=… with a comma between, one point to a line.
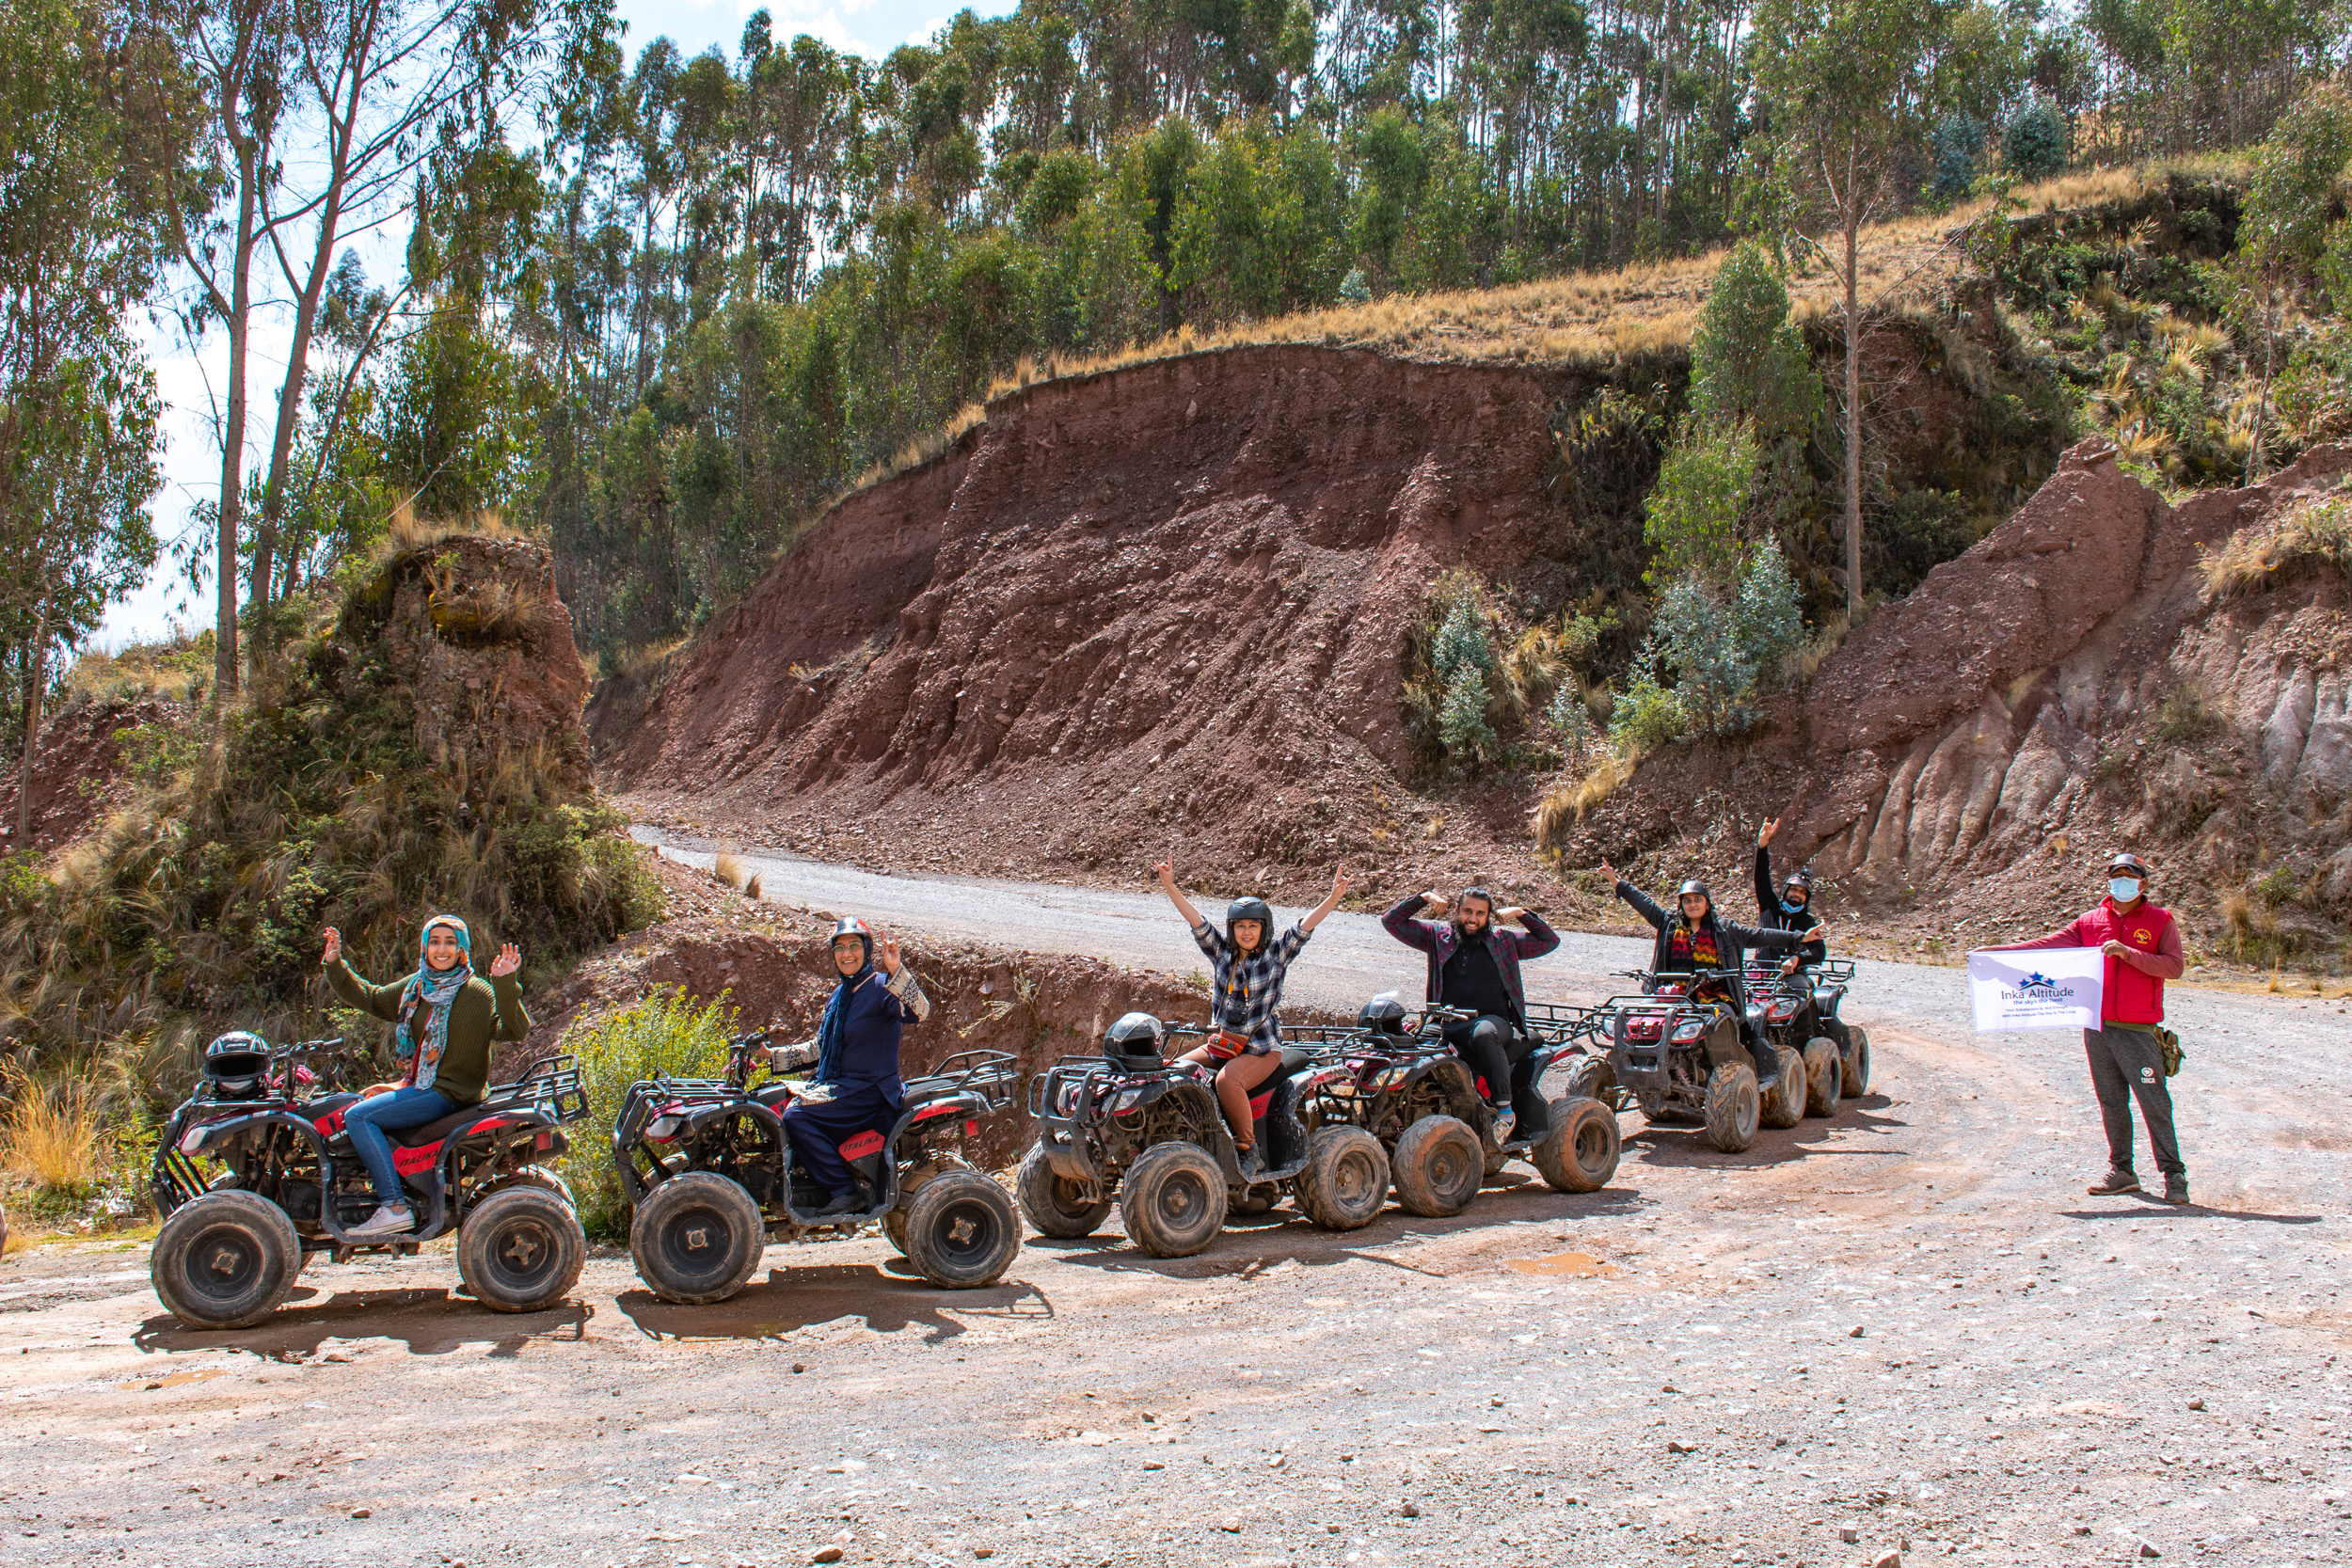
x=1635, y=896
x=510, y=1019
x=1165, y=871
x=1331, y=902
x=381, y=1001
x=1534, y=938
x=1767, y=896
x=1403, y=923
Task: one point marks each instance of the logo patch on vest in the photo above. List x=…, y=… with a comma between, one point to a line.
x=2147, y=1075
x=2143, y=935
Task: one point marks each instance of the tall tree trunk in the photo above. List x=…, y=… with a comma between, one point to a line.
x=233, y=431
x=1854, y=429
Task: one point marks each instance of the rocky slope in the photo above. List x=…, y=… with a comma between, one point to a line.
x=1159, y=610
x=1967, y=759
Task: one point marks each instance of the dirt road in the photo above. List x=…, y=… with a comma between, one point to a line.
x=1907, y=1323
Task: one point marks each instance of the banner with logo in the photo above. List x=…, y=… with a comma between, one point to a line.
x=2049, y=988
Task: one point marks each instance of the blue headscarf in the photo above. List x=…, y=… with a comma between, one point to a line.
x=437, y=989
x=835, y=1028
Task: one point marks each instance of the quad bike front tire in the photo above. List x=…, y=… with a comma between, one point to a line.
x=1437, y=1167
x=1346, y=1179
x=227, y=1259
x=1592, y=1078
x=1824, y=1077
x=1857, y=1055
x=1783, y=1104
x=1056, y=1204
x=1580, y=1153
x=962, y=1231
x=1733, y=1107
x=696, y=1238
x=1173, y=1200
x=521, y=1249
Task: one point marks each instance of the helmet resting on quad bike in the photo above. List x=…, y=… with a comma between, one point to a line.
x=1382, y=1015
x=1135, y=1036
x=236, y=1063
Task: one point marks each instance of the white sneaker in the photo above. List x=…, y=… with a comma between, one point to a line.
x=1505, y=1121
x=387, y=1220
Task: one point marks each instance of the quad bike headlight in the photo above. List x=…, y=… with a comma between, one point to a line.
x=662, y=1128
x=192, y=1140
x=1066, y=1099
x=1685, y=1033
x=1125, y=1099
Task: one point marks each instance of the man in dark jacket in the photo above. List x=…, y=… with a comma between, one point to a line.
x=1693, y=938
x=1474, y=966
x=1788, y=907
x=856, y=1087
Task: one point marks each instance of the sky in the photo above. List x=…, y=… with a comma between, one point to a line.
x=190, y=381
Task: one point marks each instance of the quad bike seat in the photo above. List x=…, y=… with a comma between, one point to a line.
x=1295, y=1057
x=434, y=1131
x=778, y=1092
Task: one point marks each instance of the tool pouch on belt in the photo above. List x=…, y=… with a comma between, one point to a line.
x=2169, y=1044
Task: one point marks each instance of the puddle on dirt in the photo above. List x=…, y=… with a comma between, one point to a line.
x=173, y=1380
x=1572, y=1265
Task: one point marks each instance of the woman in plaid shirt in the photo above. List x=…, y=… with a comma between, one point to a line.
x=1245, y=986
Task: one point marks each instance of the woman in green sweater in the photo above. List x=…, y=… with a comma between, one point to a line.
x=445, y=1020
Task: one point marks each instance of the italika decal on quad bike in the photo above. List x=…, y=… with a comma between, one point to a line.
x=256, y=1170
x=1428, y=1107
x=1133, y=1127
x=1798, y=1011
x=709, y=1172
x=1675, y=1050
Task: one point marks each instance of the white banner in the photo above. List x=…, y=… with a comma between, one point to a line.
x=2048, y=987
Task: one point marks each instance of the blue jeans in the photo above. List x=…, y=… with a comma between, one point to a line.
x=369, y=1119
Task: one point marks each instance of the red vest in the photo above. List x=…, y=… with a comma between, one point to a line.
x=2130, y=996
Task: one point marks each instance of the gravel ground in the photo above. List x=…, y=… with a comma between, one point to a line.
x=1905, y=1330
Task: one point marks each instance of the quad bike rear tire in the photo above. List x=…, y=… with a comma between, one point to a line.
x=1733, y=1107
x=1173, y=1200
x=1824, y=1077
x=893, y=1223
x=1783, y=1104
x=1437, y=1167
x=1056, y=1204
x=1857, y=1055
x=1346, y=1179
x=1580, y=1153
x=963, y=1231
x=227, y=1259
x=696, y=1238
x=521, y=1250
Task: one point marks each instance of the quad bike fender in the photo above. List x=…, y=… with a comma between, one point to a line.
x=183, y=1145
x=1454, y=1079
x=939, y=1113
x=525, y=1124
x=1723, y=1044
x=1285, y=1129
x=631, y=1129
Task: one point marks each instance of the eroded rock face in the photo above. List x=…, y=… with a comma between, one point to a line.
x=1160, y=609
x=2003, y=723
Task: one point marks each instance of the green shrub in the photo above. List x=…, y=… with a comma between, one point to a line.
x=1748, y=361
x=2033, y=142
x=1703, y=487
x=1723, y=650
x=1647, y=716
x=665, y=1033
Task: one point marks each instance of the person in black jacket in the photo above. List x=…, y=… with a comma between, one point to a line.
x=1790, y=908
x=1694, y=938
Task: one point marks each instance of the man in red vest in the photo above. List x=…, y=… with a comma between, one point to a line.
x=2143, y=948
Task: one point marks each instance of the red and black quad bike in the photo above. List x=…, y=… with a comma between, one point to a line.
x=1428, y=1107
x=1136, y=1128
x=256, y=1171
x=1675, y=1050
x=710, y=1175
x=1799, y=1011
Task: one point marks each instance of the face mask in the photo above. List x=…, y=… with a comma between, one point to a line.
x=2122, y=889
x=1797, y=908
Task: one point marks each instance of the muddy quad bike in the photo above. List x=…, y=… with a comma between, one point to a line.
x=256, y=1171
x=1675, y=1050
x=1782, y=1009
x=1831, y=980
x=1136, y=1128
x=710, y=1176
x=1428, y=1107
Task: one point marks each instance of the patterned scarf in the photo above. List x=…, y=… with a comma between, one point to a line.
x=436, y=988
x=1696, y=948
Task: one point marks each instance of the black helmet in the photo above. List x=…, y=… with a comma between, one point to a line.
x=1801, y=877
x=1135, y=1038
x=1250, y=909
x=236, y=1063
x=2130, y=863
x=1693, y=885
x=850, y=926
x=1384, y=1015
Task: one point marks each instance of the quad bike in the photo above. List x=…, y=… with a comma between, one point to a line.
x=1830, y=980
x=1133, y=1127
x=256, y=1171
x=1410, y=1090
x=1781, y=1007
x=708, y=1170
x=1675, y=1050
